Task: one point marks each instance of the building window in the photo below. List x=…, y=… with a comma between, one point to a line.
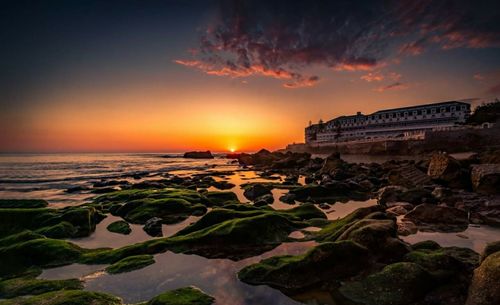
x=443, y=109
x=462, y=107
x=424, y=112
x=433, y=110
x=453, y=108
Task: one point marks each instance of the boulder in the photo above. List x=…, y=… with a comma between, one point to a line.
x=397, y=284
x=408, y=176
x=182, y=296
x=288, y=198
x=486, y=178
x=198, y=155
x=440, y=218
x=390, y=193
x=131, y=263
x=397, y=210
x=332, y=163
x=327, y=262
x=154, y=227
x=264, y=200
x=120, y=227
x=446, y=169
x=254, y=191
x=484, y=288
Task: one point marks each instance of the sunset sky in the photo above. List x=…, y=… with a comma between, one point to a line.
x=160, y=76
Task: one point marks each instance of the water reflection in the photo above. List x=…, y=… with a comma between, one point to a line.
x=473, y=237
x=214, y=276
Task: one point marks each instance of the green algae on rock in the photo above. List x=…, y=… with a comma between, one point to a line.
x=30, y=286
x=23, y=203
x=41, y=252
x=484, y=288
x=131, y=263
x=396, y=284
x=82, y=218
x=66, y=297
x=120, y=227
x=182, y=296
x=327, y=262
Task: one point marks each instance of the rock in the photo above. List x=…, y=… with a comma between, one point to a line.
x=490, y=248
x=440, y=218
x=22, y=203
x=390, y=193
x=446, y=169
x=442, y=193
x=406, y=205
x=221, y=198
x=198, y=155
x=406, y=228
x=484, y=288
x=324, y=206
x=332, y=163
x=66, y=297
x=154, y=227
x=486, y=178
x=261, y=158
x=264, y=200
x=288, y=198
x=291, y=160
x=417, y=195
x=254, y=191
x=131, y=263
x=29, y=286
x=397, y=210
x=120, y=227
x=182, y=296
x=327, y=262
x=397, y=284
x=223, y=185
x=408, y=176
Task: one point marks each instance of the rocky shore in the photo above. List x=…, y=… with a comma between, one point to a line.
x=360, y=258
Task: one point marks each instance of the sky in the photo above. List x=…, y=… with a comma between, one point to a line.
x=171, y=76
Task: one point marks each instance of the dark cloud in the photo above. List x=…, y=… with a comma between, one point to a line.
x=393, y=86
x=279, y=38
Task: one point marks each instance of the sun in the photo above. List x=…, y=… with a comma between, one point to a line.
x=232, y=149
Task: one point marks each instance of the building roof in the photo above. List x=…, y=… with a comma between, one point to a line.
x=421, y=106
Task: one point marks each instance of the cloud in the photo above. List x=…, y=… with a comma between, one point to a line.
x=394, y=76
x=393, y=86
x=495, y=89
x=283, y=39
x=478, y=76
x=372, y=77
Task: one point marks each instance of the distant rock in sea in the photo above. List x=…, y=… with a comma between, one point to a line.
x=199, y=155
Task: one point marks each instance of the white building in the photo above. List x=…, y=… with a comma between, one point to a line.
x=403, y=122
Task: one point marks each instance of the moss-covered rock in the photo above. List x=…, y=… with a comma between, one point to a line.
x=19, y=237
x=83, y=220
x=30, y=286
x=120, y=227
x=485, y=289
x=63, y=229
x=42, y=252
x=221, y=198
x=131, y=263
x=182, y=296
x=327, y=262
x=490, y=249
x=138, y=206
x=332, y=231
x=396, y=284
x=23, y=203
x=66, y=297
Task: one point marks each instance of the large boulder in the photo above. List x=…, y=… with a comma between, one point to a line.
x=182, y=296
x=261, y=158
x=438, y=217
x=485, y=286
x=327, y=262
x=153, y=227
x=332, y=163
x=255, y=191
x=397, y=284
x=446, y=169
x=390, y=193
x=198, y=155
x=486, y=178
x=408, y=176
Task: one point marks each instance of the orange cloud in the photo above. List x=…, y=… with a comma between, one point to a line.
x=394, y=86
x=372, y=77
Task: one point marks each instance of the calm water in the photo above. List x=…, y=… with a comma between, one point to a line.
x=48, y=176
